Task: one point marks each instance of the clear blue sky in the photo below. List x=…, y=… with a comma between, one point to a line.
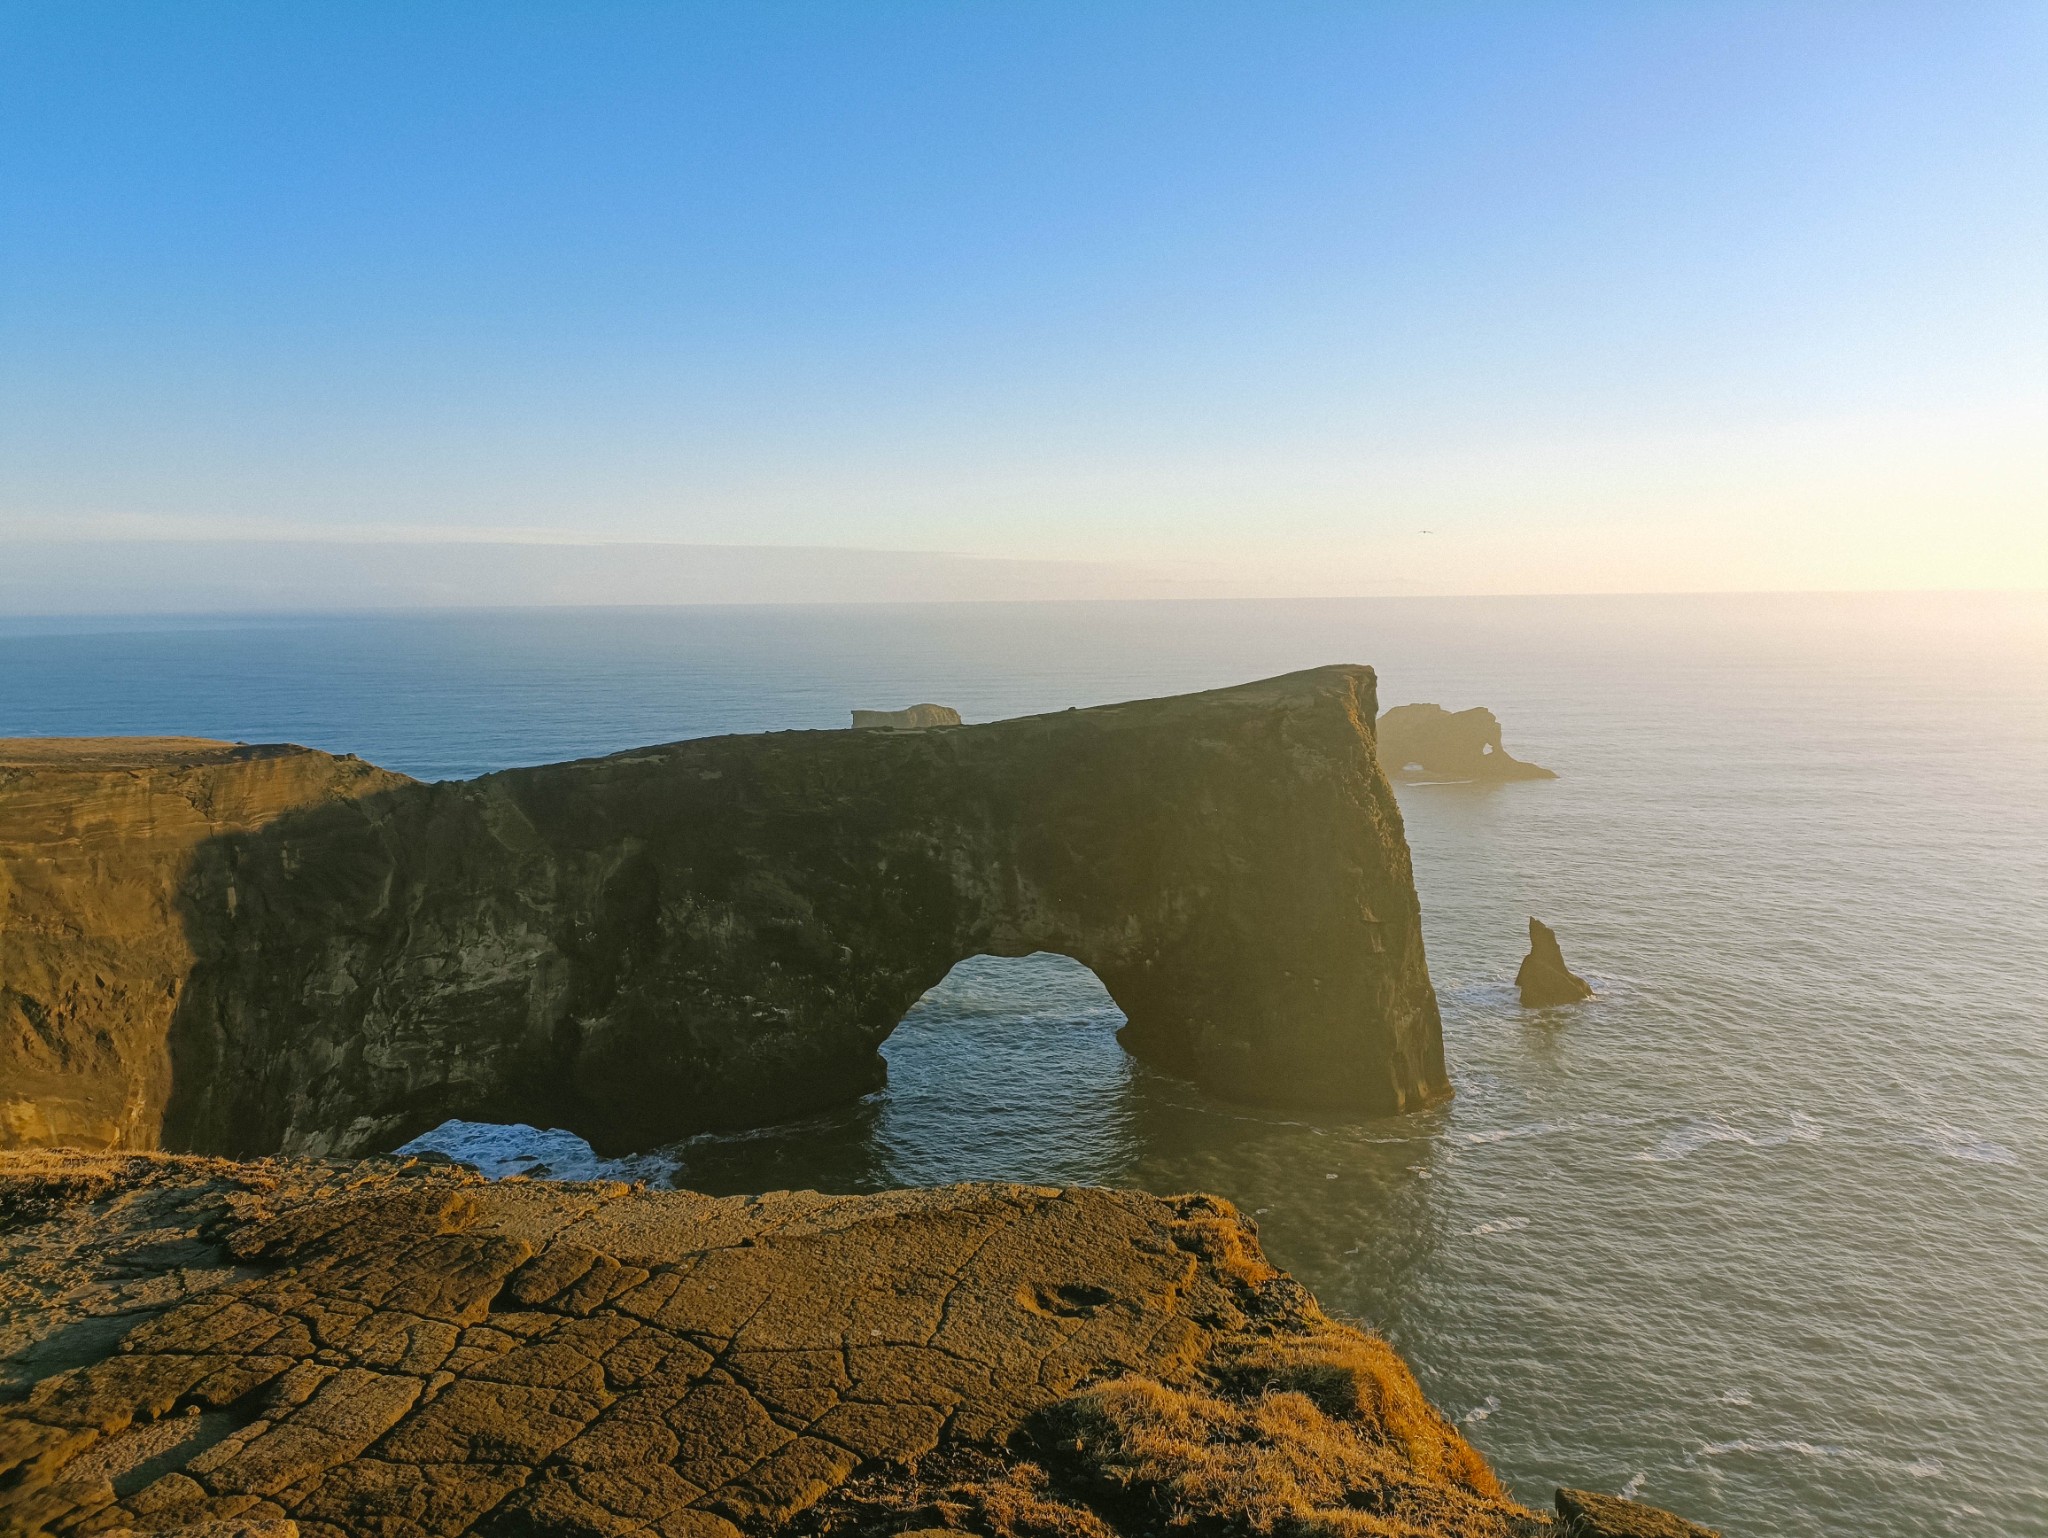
x=1629, y=295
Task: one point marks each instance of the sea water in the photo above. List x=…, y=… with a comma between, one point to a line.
x=1760, y=1233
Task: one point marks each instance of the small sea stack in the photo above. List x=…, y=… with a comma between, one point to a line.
x=1543, y=977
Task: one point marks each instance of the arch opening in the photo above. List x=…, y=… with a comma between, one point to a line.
x=1009, y=1069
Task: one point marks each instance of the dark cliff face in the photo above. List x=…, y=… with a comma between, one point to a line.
x=721, y=932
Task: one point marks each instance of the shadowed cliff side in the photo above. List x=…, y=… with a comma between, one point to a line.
x=721, y=932
x=96, y=835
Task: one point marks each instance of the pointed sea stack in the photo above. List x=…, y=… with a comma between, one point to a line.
x=1544, y=978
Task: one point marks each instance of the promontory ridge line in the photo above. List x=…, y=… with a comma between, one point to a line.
x=246, y=950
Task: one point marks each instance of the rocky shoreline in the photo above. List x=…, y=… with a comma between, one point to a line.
x=399, y=1347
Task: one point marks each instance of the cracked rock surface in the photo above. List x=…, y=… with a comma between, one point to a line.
x=324, y=1348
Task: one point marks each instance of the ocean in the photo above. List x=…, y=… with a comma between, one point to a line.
x=1759, y=1234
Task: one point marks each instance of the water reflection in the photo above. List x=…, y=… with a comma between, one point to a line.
x=1007, y=1070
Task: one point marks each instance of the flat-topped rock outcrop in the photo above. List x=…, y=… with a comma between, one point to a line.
x=713, y=933
x=1428, y=742
x=915, y=718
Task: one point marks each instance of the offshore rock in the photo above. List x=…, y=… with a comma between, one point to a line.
x=1543, y=977
x=1428, y=742
x=714, y=933
x=97, y=836
x=1583, y=1514
x=396, y=1349
x=917, y=718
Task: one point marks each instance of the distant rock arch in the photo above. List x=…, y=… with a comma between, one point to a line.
x=1428, y=742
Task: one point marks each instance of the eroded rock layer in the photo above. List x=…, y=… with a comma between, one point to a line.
x=97, y=836
x=720, y=932
x=404, y=1350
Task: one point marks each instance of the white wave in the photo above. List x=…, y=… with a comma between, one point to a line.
x=1705, y=1131
x=1772, y=1445
x=1499, y=1226
x=499, y=1149
x=1478, y=1413
x=1919, y=1468
x=1629, y=1491
x=1961, y=1143
x=1592, y=1119
x=1507, y=1134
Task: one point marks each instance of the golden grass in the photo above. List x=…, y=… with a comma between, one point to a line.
x=1325, y=1435
x=1220, y=1237
x=1359, y=1381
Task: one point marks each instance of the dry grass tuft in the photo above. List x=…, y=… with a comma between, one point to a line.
x=1320, y=1436
x=1211, y=1228
x=1358, y=1380
x=962, y=1491
x=1020, y=1505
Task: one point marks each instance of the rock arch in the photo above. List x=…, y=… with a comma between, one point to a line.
x=720, y=932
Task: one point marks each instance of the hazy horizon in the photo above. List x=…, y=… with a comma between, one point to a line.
x=200, y=578
x=1144, y=297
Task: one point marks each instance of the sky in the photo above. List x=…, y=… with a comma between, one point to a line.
x=1176, y=297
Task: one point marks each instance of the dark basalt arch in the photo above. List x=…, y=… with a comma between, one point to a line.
x=720, y=932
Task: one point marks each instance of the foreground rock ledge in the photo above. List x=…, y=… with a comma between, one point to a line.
x=403, y=1349
x=252, y=950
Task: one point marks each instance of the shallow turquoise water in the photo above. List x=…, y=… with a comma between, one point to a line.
x=1761, y=1233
